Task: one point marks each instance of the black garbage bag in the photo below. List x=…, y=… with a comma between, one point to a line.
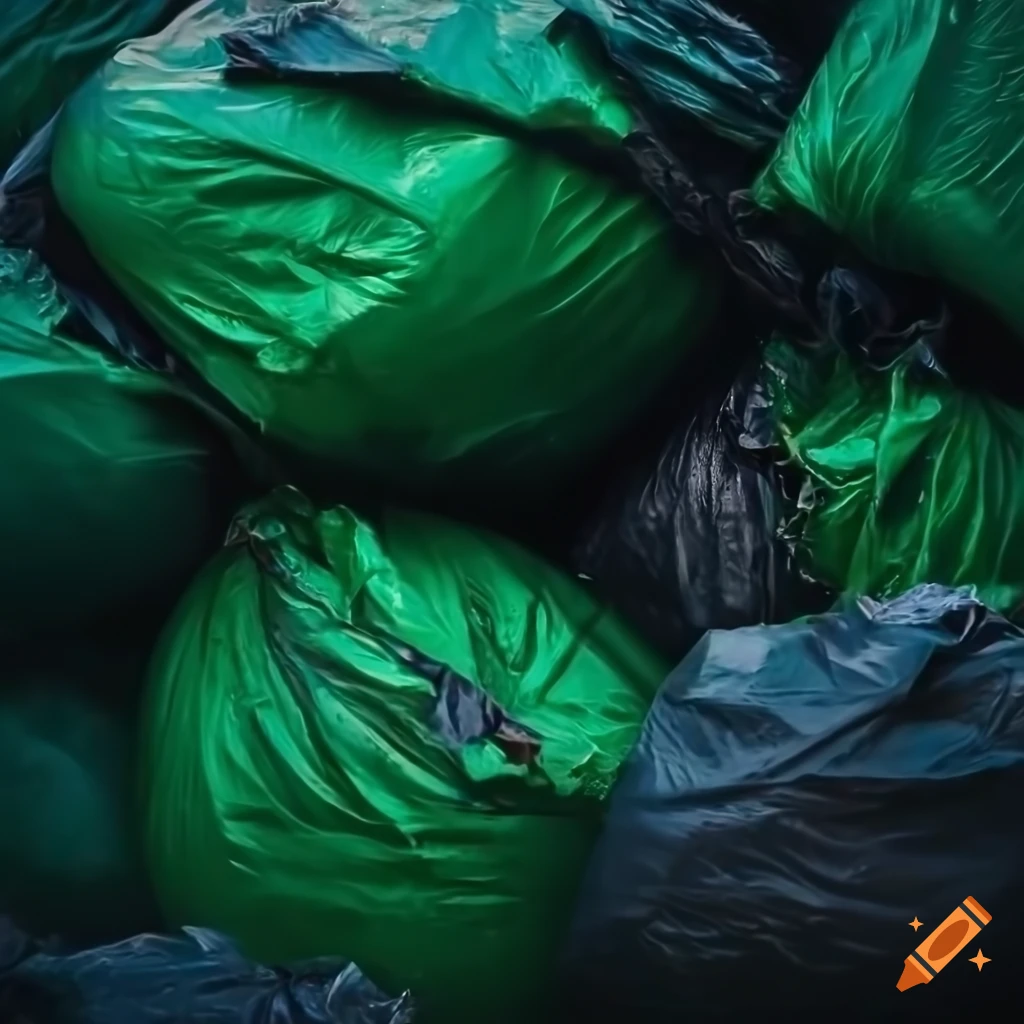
x=739, y=67
x=194, y=976
x=799, y=795
x=694, y=541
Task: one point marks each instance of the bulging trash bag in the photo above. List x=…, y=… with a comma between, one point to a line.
x=360, y=225
x=800, y=794
x=111, y=479
x=390, y=739
x=48, y=47
x=905, y=477
x=908, y=142
x=197, y=975
x=70, y=851
x=694, y=541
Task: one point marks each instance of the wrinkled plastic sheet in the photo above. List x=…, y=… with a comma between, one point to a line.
x=694, y=541
x=195, y=975
x=711, y=95
x=800, y=793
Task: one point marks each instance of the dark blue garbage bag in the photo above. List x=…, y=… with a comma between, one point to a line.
x=800, y=796
x=194, y=977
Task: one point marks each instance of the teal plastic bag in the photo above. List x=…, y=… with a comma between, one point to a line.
x=71, y=859
x=394, y=738
x=112, y=483
x=49, y=47
x=375, y=229
x=908, y=143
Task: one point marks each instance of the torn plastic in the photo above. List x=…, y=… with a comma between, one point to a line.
x=195, y=975
x=406, y=360
x=436, y=719
x=907, y=478
x=799, y=794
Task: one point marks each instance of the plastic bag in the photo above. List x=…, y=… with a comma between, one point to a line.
x=694, y=542
x=908, y=142
x=711, y=85
x=392, y=739
x=48, y=47
x=113, y=487
x=905, y=477
x=70, y=855
x=386, y=250
x=801, y=793
x=707, y=60
x=196, y=976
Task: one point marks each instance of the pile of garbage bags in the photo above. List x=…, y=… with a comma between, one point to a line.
x=395, y=391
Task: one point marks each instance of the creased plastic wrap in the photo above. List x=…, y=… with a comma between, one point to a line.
x=908, y=143
x=193, y=976
x=393, y=739
x=382, y=232
x=904, y=477
x=799, y=795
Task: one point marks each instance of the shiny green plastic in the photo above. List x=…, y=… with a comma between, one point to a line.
x=108, y=476
x=301, y=794
x=71, y=859
x=907, y=479
x=908, y=142
x=48, y=47
x=417, y=292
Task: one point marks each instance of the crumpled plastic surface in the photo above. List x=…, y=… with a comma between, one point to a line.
x=706, y=58
x=712, y=86
x=392, y=740
x=799, y=794
x=906, y=478
x=908, y=142
x=48, y=47
x=112, y=487
x=366, y=212
x=195, y=976
x=694, y=542
x=70, y=858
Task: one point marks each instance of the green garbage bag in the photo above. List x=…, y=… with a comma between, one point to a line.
x=110, y=481
x=48, y=47
x=393, y=739
x=908, y=143
x=71, y=859
x=907, y=479
x=373, y=244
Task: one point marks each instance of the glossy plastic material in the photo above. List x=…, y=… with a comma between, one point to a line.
x=393, y=740
x=110, y=480
x=198, y=977
x=368, y=227
x=799, y=795
x=48, y=47
x=908, y=142
x=906, y=478
x=712, y=84
x=693, y=542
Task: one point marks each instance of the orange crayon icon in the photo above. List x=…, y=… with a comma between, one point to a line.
x=943, y=944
